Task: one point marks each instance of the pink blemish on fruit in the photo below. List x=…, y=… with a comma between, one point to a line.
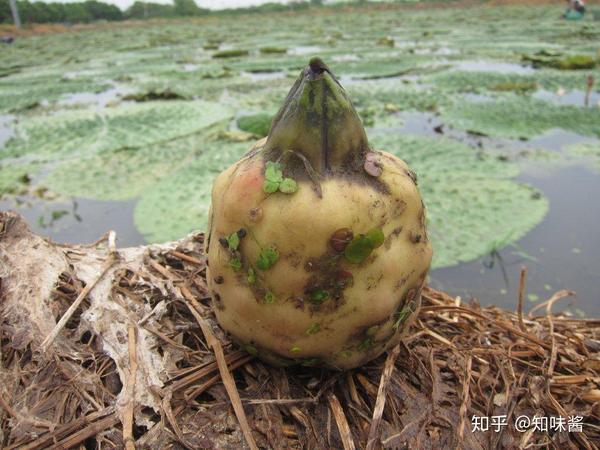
x=372, y=165
x=248, y=184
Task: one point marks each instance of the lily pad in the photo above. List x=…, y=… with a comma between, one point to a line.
x=126, y=127
x=473, y=204
x=522, y=117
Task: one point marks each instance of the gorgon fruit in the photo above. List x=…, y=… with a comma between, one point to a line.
x=317, y=246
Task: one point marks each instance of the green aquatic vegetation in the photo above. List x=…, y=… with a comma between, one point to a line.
x=558, y=61
x=273, y=50
x=14, y=178
x=123, y=173
x=124, y=127
x=522, y=117
x=588, y=150
x=234, y=53
x=19, y=95
x=472, y=200
x=520, y=87
x=482, y=82
x=376, y=93
x=178, y=204
x=152, y=95
x=257, y=124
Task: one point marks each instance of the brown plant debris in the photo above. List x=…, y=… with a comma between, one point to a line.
x=134, y=365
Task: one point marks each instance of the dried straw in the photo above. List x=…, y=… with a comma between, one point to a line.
x=460, y=361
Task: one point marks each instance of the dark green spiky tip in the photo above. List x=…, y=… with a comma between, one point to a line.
x=318, y=122
x=317, y=66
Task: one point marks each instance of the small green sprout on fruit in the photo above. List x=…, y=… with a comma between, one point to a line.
x=267, y=258
x=362, y=245
x=235, y=264
x=372, y=330
x=365, y=345
x=295, y=349
x=274, y=180
x=319, y=296
x=251, y=275
x=233, y=241
x=269, y=297
x=314, y=328
x=251, y=349
x=401, y=316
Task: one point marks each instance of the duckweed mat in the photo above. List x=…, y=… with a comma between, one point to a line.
x=117, y=348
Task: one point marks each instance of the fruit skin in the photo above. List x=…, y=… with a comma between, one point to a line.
x=329, y=274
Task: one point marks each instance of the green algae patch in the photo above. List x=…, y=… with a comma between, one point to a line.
x=125, y=127
x=522, y=117
x=257, y=124
x=122, y=174
x=179, y=203
x=15, y=178
x=520, y=87
x=20, y=93
x=234, y=53
x=273, y=50
x=560, y=62
x=473, y=204
x=483, y=82
x=587, y=150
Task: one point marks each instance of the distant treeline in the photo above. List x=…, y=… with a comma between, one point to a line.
x=92, y=10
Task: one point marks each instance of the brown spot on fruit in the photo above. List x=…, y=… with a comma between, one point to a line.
x=415, y=238
x=219, y=279
x=255, y=214
x=340, y=239
x=217, y=301
x=344, y=279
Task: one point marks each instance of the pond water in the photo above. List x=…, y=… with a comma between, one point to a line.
x=575, y=98
x=78, y=221
x=492, y=66
x=99, y=100
x=563, y=252
x=6, y=128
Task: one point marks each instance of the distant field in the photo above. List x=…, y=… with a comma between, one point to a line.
x=148, y=113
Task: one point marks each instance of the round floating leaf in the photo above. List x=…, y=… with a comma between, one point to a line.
x=178, y=204
x=473, y=205
x=126, y=127
x=257, y=124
